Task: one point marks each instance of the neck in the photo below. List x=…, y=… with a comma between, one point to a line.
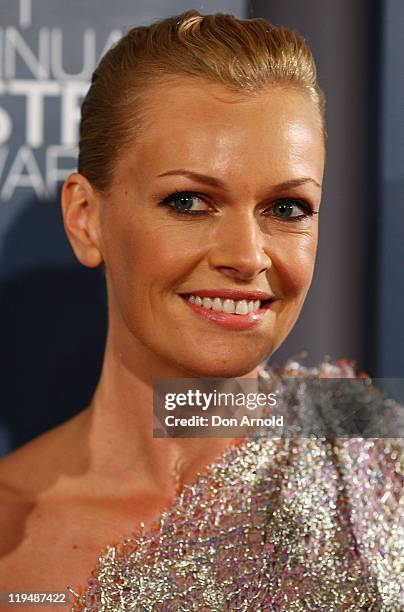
x=119, y=430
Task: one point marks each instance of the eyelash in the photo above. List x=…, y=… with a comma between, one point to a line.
x=168, y=203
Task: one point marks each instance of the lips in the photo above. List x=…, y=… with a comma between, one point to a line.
x=211, y=306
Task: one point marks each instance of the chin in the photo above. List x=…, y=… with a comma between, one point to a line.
x=228, y=367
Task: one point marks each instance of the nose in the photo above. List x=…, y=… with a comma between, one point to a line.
x=240, y=249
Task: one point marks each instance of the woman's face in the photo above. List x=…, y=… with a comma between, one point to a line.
x=216, y=195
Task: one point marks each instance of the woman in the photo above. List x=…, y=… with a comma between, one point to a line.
x=198, y=188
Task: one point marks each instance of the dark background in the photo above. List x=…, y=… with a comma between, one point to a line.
x=53, y=311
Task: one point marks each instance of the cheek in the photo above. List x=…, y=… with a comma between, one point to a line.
x=147, y=256
x=167, y=254
x=293, y=259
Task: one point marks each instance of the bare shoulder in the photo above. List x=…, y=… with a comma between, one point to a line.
x=28, y=469
x=27, y=475
x=43, y=542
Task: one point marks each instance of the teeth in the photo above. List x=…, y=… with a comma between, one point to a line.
x=240, y=307
x=217, y=305
x=228, y=306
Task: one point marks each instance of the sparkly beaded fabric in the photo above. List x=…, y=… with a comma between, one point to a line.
x=276, y=524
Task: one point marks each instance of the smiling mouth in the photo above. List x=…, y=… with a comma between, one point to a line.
x=228, y=305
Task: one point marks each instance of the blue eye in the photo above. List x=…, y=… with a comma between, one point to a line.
x=184, y=202
x=290, y=209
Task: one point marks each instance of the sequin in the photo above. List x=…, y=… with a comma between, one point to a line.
x=276, y=524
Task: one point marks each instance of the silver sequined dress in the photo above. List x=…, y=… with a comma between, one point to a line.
x=276, y=524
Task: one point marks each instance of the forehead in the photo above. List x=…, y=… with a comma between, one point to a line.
x=209, y=128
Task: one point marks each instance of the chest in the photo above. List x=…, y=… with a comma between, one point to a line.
x=50, y=546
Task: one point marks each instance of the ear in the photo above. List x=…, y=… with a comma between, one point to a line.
x=80, y=209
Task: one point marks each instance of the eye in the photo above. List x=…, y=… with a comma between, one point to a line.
x=185, y=202
x=291, y=209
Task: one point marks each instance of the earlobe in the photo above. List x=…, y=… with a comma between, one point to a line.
x=80, y=209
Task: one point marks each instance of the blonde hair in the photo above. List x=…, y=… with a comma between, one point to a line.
x=243, y=55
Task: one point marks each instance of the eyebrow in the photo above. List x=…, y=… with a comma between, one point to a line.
x=215, y=182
